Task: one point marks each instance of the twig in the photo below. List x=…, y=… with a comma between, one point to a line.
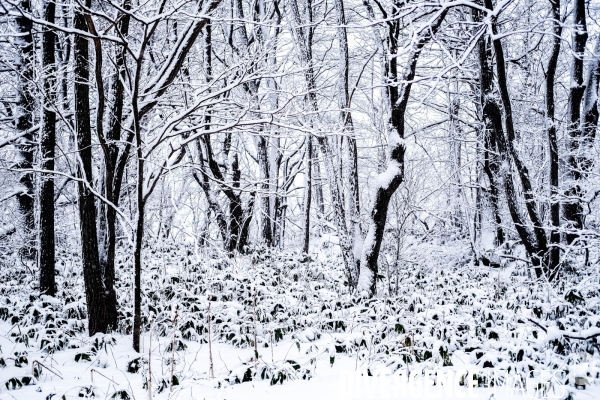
x=150, y=358
x=101, y=374
x=212, y=371
x=42, y=365
x=254, y=320
x=173, y=346
x=224, y=362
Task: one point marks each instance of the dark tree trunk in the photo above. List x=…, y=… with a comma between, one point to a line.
x=554, y=253
x=235, y=232
x=106, y=266
x=590, y=98
x=536, y=245
x=236, y=212
x=266, y=222
x=98, y=315
x=25, y=121
x=236, y=240
x=498, y=154
x=203, y=180
x=112, y=181
x=491, y=168
x=488, y=151
x=578, y=161
x=47, y=143
x=392, y=177
x=261, y=141
x=140, y=199
x=137, y=255
x=523, y=173
x=307, y=193
x=213, y=204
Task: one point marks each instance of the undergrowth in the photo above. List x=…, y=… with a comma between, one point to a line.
x=436, y=307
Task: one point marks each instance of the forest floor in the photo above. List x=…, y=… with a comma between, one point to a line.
x=313, y=339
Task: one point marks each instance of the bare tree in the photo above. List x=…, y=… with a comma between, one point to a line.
x=47, y=143
x=25, y=124
x=578, y=161
x=398, y=93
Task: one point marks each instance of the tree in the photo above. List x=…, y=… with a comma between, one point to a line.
x=398, y=94
x=46, y=249
x=25, y=125
x=554, y=255
x=98, y=310
x=578, y=161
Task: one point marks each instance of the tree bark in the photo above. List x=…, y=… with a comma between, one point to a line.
x=590, y=97
x=536, y=244
x=350, y=158
x=307, y=192
x=94, y=286
x=554, y=253
x=25, y=122
x=499, y=156
x=140, y=197
x=261, y=142
x=523, y=173
x=112, y=181
x=578, y=160
x=47, y=143
x=388, y=181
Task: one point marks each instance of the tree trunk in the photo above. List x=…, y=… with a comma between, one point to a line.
x=213, y=204
x=490, y=161
x=590, y=97
x=98, y=315
x=536, y=245
x=47, y=143
x=204, y=181
x=389, y=180
x=112, y=181
x=350, y=167
x=499, y=157
x=578, y=160
x=263, y=157
x=25, y=120
x=307, y=192
x=554, y=253
x=523, y=173
x=140, y=199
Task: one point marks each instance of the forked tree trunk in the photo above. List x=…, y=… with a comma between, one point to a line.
x=98, y=316
x=112, y=180
x=537, y=243
x=390, y=179
x=261, y=139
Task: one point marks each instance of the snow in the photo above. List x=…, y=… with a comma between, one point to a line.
x=385, y=178
x=313, y=338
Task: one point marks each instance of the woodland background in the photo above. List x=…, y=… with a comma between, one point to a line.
x=360, y=139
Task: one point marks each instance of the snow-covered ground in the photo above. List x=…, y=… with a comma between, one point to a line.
x=313, y=339
x=107, y=374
